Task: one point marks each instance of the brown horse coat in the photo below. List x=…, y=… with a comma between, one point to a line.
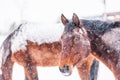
x=92, y=37
x=31, y=46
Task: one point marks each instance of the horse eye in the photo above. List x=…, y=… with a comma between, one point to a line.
x=76, y=38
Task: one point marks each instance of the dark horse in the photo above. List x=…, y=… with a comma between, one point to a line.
x=31, y=45
x=83, y=38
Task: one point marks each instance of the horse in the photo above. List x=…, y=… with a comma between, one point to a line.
x=83, y=38
x=32, y=45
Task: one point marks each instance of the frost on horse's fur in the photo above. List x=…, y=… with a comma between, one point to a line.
x=110, y=38
x=35, y=33
x=32, y=45
x=104, y=38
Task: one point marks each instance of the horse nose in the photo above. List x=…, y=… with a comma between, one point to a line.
x=65, y=70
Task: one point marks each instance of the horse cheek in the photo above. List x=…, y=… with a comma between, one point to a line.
x=75, y=58
x=85, y=52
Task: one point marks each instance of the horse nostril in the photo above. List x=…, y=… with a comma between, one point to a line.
x=65, y=70
x=66, y=67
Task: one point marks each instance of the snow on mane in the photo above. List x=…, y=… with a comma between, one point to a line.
x=39, y=33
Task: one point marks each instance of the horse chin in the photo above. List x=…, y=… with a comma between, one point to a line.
x=67, y=73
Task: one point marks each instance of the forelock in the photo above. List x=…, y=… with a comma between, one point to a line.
x=70, y=26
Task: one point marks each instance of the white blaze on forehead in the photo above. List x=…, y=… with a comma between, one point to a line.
x=78, y=32
x=83, y=36
x=35, y=33
x=81, y=31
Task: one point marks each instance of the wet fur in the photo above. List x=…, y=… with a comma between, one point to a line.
x=74, y=41
x=102, y=36
x=102, y=51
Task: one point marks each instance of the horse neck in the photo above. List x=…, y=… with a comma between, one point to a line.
x=104, y=54
x=99, y=49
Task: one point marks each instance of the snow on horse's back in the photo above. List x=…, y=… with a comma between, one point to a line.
x=32, y=45
x=35, y=33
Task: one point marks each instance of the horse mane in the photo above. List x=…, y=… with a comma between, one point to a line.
x=99, y=27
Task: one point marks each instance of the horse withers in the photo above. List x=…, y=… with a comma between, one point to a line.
x=32, y=45
x=86, y=39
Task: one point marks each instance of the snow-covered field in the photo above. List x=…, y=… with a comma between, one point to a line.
x=52, y=73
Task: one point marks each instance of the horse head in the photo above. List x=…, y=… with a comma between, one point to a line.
x=75, y=44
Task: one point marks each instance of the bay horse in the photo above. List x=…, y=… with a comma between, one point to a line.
x=83, y=38
x=32, y=45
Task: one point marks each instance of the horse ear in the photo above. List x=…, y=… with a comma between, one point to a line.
x=75, y=19
x=64, y=19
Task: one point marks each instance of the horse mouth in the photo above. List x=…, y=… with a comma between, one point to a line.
x=65, y=71
x=67, y=74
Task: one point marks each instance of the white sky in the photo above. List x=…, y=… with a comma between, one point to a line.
x=48, y=11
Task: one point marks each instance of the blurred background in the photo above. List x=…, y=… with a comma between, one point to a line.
x=14, y=12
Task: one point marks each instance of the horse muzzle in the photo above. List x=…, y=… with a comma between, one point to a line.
x=66, y=70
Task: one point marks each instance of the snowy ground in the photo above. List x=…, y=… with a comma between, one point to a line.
x=52, y=73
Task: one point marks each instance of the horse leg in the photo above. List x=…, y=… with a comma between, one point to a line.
x=7, y=69
x=31, y=71
x=94, y=70
x=88, y=69
x=84, y=71
x=26, y=77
